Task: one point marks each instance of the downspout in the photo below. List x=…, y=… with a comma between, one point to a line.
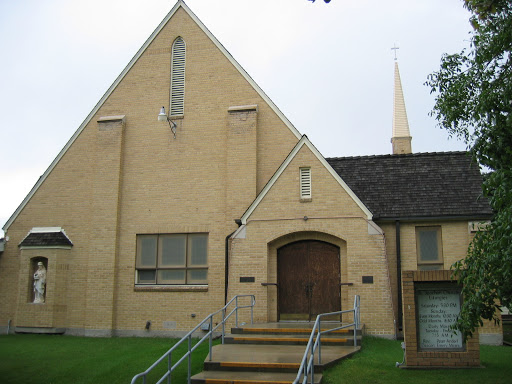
x=226, y=263
x=399, y=275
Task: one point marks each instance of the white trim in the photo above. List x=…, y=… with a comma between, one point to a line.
x=46, y=247
x=305, y=183
x=304, y=141
x=45, y=230
x=374, y=229
x=240, y=233
x=111, y=118
x=239, y=108
x=178, y=5
x=181, y=286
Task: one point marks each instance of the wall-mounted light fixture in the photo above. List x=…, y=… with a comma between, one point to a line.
x=162, y=116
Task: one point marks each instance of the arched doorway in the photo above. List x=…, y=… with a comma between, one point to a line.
x=308, y=273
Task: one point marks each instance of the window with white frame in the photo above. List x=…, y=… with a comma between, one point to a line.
x=172, y=259
x=429, y=246
x=178, y=77
x=305, y=183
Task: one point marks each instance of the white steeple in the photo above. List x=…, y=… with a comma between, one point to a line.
x=401, y=139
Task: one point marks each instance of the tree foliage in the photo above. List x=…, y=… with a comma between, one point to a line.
x=474, y=102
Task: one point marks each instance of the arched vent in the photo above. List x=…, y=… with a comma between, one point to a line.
x=178, y=77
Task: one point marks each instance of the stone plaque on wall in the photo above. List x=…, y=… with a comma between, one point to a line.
x=437, y=309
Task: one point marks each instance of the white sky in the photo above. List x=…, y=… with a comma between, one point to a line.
x=328, y=67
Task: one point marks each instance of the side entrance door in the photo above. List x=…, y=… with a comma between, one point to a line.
x=308, y=275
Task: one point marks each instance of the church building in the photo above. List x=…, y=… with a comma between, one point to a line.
x=186, y=185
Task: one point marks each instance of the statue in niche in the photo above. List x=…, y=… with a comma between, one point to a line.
x=39, y=283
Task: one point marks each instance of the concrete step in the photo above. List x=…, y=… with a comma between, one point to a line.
x=287, y=339
x=290, y=328
x=270, y=358
x=223, y=377
x=271, y=354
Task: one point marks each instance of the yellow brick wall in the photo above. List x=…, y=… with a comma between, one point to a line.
x=455, y=241
x=162, y=185
x=334, y=217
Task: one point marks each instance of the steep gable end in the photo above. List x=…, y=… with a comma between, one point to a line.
x=180, y=5
x=304, y=141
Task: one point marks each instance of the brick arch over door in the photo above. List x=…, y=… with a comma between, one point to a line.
x=308, y=277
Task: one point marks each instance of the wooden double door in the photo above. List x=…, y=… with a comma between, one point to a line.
x=308, y=275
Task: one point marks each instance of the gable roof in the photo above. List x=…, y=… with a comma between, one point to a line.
x=304, y=141
x=179, y=4
x=46, y=237
x=421, y=185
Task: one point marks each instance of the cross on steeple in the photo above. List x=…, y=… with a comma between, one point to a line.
x=395, y=48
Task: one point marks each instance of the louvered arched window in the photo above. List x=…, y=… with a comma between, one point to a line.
x=177, y=77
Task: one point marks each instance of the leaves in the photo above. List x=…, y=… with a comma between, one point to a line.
x=474, y=103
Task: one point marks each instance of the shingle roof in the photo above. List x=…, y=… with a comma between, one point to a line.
x=46, y=239
x=421, y=185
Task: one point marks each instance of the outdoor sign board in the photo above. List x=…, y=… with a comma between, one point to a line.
x=437, y=309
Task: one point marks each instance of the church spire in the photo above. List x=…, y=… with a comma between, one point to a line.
x=401, y=139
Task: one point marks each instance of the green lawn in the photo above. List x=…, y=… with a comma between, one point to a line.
x=376, y=364
x=45, y=359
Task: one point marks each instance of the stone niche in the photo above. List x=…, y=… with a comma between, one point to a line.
x=51, y=247
x=431, y=303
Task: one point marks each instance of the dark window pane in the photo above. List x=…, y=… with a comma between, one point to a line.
x=198, y=250
x=146, y=276
x=197, y=276
x=172, y=251
x=147, y=251
x=428, y=245
x=171, y=276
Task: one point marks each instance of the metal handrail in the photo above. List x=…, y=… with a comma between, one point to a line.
x=307, y=365
x=208, y=319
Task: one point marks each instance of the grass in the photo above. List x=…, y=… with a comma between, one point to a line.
x=376, y=364
x=46, y=359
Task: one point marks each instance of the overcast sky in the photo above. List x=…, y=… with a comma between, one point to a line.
x=328, y=67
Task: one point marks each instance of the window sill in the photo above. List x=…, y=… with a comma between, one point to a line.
x=171, y=288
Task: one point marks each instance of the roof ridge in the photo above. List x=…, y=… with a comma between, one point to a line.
x=389, y=155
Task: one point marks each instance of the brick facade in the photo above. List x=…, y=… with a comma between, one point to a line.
x=124, y=174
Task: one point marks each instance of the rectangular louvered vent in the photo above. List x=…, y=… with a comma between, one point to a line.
x=305, y=183
x=178, y=77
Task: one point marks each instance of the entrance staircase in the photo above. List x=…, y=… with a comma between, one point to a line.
x=272, y=353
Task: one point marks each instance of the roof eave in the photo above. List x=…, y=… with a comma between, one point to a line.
x=481, y=216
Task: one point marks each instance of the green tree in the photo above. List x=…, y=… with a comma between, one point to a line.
x=474, y=102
